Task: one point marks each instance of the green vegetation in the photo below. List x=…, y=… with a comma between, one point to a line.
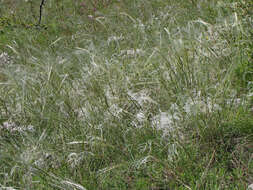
x=125, y=95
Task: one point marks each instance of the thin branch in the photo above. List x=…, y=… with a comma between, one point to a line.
x=41, y=7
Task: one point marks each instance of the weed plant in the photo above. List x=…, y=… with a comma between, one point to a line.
x=126, y=95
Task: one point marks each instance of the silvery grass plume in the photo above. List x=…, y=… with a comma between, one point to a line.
x=72, y=185
x=250, y=187
x=6, y=188
x=132, y=53
x=75, y=159
x=13, y=127
x=65, y=184
x=200, y=104
x=5, y=59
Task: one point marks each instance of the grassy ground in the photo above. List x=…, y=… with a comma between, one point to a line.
x=126, y=95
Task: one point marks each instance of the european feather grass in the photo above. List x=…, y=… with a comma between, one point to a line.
x=132, y=96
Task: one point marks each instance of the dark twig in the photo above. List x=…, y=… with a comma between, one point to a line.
x=41, y=7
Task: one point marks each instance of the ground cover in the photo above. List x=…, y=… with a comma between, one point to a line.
x=126, y=95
